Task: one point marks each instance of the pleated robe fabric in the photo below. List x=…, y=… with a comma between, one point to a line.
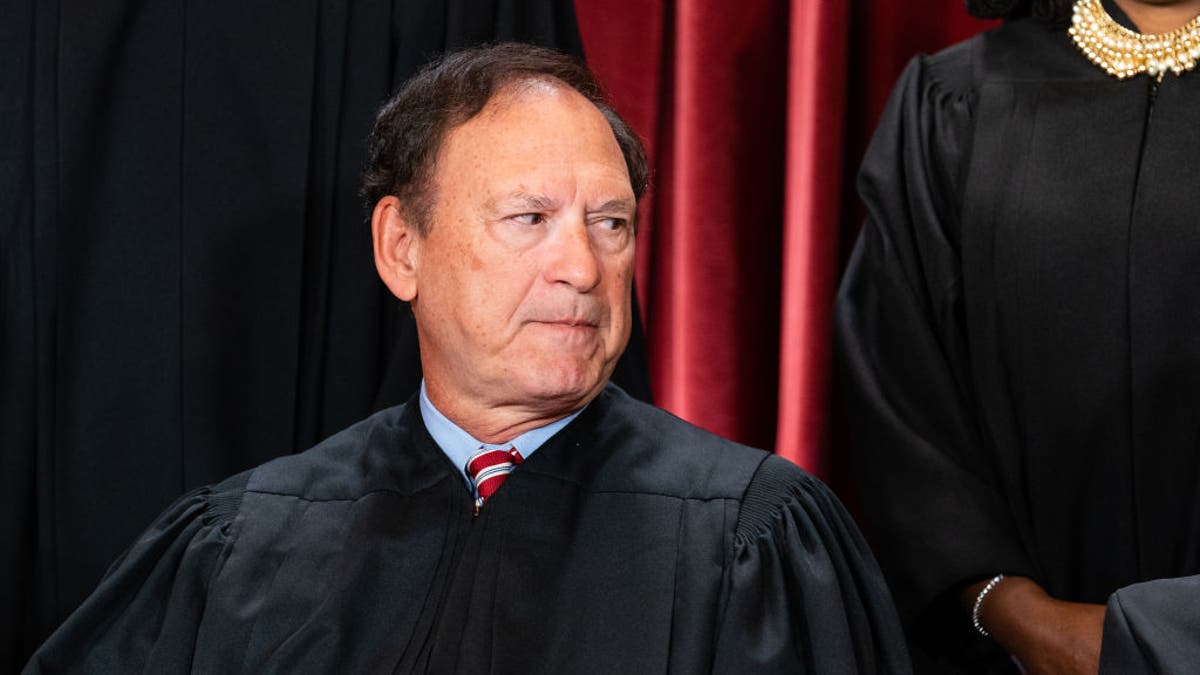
x=631, y=542
x=1017, y=331
x=186, y=278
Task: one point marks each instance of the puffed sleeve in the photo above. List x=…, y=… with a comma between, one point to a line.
x=1153, y=627
x=145, y=614
x=803, y=593
x=931, y=491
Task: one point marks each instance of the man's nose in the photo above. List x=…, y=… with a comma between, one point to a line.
x=572, y=259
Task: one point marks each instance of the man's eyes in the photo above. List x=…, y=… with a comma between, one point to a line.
x=612, y=223
x=606, y=223
x=530, y=218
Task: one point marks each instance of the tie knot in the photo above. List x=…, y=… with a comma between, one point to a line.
x=488, y=469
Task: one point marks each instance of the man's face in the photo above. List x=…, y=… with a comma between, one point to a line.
x=524, y=275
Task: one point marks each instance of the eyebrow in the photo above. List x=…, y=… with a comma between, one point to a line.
x=526, y=200
x=535, y=202
x=620, y=204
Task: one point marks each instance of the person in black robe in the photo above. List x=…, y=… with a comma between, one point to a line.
x=1016, y=332
x=503, y=193
x=185, y=282
x=1153, y=627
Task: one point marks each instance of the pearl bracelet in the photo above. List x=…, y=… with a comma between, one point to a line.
x=979, y=603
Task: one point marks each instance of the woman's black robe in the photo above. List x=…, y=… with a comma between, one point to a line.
x=1018, y=328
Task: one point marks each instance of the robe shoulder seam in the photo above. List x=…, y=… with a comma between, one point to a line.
x=776, y=483
x=224, y=500
x=951, y=70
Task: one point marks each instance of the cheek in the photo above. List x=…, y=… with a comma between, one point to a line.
x=620, y=302
x=496, y=294
x=621, y=284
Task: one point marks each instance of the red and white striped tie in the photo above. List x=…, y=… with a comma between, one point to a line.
x=488, y=469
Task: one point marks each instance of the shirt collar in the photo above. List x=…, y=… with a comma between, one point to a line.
x=458, y=445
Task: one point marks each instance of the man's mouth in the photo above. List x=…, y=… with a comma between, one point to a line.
x=571, y=323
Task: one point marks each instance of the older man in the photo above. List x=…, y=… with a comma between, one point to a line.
x=520, y=514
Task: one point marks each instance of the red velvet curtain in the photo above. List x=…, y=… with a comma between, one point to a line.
x=755, y=115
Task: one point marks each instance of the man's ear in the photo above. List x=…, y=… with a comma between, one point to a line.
x=397, y=248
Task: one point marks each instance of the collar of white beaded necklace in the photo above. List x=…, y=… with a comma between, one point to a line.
x=1123, y=53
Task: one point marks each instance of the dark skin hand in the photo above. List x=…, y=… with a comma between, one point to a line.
x=1046, y=636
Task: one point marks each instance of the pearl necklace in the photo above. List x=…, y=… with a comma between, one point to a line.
x=1125, y=53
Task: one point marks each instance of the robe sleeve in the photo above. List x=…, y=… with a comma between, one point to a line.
x=803, y=593
x=932, y=491
x=1153, y=627
x=145, y=614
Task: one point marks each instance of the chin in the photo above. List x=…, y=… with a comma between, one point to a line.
x=565, y=381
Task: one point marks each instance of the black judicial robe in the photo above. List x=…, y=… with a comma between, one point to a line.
x=631, y=542
x=1017, y=329
x=186, y=278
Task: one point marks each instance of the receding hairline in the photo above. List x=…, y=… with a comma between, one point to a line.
x=507, y=93
x=411, y=127
x=514, y=90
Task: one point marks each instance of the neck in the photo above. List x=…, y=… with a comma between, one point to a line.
x=1159, y=16
x=495, y=423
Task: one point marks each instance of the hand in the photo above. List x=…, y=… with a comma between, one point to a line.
x=1044, y=635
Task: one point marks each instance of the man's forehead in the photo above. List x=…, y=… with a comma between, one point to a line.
x=528, y=102
x=525, y=136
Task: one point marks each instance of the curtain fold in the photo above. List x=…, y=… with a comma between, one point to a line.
x=816, y=85
x=716, y=238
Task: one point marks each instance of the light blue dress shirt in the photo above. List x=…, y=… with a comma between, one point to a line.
x=459, y=446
